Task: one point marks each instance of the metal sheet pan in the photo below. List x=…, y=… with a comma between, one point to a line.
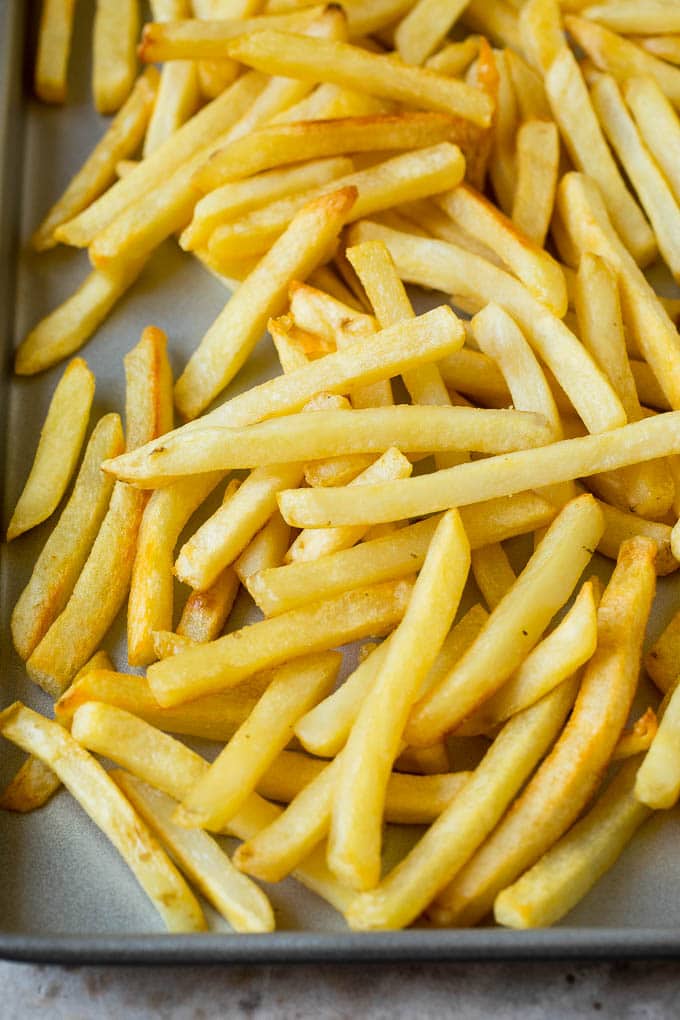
x=65, y=896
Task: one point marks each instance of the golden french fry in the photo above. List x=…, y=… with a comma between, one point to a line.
x=574, y=114
x=515, y=626
x=497, y=20
x=638, y=738
x=425, y=26
x=567, y=778
x=620, y=525
x=196, y=39
x=538, y=156
x=456, y=271
x=658, y=124
x=54, y=47
x=114, y=58
x=151, y=599
x=234, y=775
x=540, y=28
x=454, y=58
x=529, y=89
x=459, y=830
x=502, y=168
x=148, y=389
x=57, y=568
x=355, y=832
x=279, y=589
x=238, y=899
x=99, y=169
x=215, y=76
x=177, y=101
x=477, y=376
x=556, y=883
x=492, y=572
x=61, y=439
x=314, y=628
x=658, y=780
x=266, y=551
x=87, y=781
x=69, y=326
x=644, y=16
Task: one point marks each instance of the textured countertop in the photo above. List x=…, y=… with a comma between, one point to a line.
x=475, y=991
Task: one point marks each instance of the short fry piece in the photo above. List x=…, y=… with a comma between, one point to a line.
x=87, y=781
x=538, y=156
x=54, y=47
x=540, y=29
x=114, y=59
x=658, y=780
x=61, y=438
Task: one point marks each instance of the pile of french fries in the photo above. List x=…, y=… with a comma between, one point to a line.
x=522, y=160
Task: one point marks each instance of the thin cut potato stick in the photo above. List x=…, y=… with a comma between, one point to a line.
x=170, y=766
x=619, y=525
x=502, y=169
x=538, y=156
x=57, y=568
x=200, y=132
x=177, y=101
x=646, y=17
x=658, y=124
x=54, y=47
x=515, y=626
x=568, y=777
x=492, y=572
x=266, y=551
x=61, y=439
x=497, y=20
x=279, y=144
x=114, y=59
x=456, y=271
x=215, y=77
x=314, y=628
x=99, y=169
x=355, y=832
x=336, y=470
x=465, y=484
x=552, y=660
x=148, y=389
x=658, y=780
x=150, y=602
x=459, y=830
x=425, y=26
x=198, y=39
x=72, y=323
x=231, y=338
x=279, y=589
x=540, y=29
x=235, y=773
x=454, y=58
x=238, y=899
x=354, y=68
x=87, y=781
x=529, y=89
x=556, y=883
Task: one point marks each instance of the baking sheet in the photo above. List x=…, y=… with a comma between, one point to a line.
x=65, y=894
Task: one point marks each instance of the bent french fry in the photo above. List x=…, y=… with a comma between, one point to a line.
x=54, y=47
x=459, y=830
x=64, y=554
x=114, y=60
x=235, y=773
x=238, y=899
x=100, y=798
x=563, y=876
x=569, y=775
x=314, y=628
x=515, y=626
x=61, y=438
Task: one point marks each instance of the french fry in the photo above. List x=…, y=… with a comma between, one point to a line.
x=403, y=178
x=538, y=155
x=177, y=101
x=54, y=47
x=425, y=26
x=619, y=525
x=215, y=77
x=353, y=68
x=57, y=568
x=459, y=830
x=454, y=58
x=224, y=536
x=99, y=169
x=502, y=168
x=61, y=439
x=477, y=376
x=646, y=17
x=545, y=584
x=355, y=833
x=196, y=39
x=87, y=781
x=657, y=784
x=529, y=89
x=234, y=200
x=148, y=389
x=199, y=133
x=171, y=767
x=658, y=125
x=279, y=144
x=470, y=483
x=556, y=883
x=282, y=588
x=336, y=470
x=114, y=60
x=540, y=29
x=665, y=46
x=574, y=114
x=548, y=664
x=568, y=777
x=267, y=549
x=497, y=21
x=492, y=572
x=622, y=59
x=650, y=184
x=235, y=332
x=314, y=628
x=454, y=270
x=150, y=602
x=638, y=737
x=238, y=899
x=235, y=773
x=72, y=323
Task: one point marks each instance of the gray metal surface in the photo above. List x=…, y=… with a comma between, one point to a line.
x=65, y=895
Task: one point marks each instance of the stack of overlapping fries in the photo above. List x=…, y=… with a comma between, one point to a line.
x=520, y=160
